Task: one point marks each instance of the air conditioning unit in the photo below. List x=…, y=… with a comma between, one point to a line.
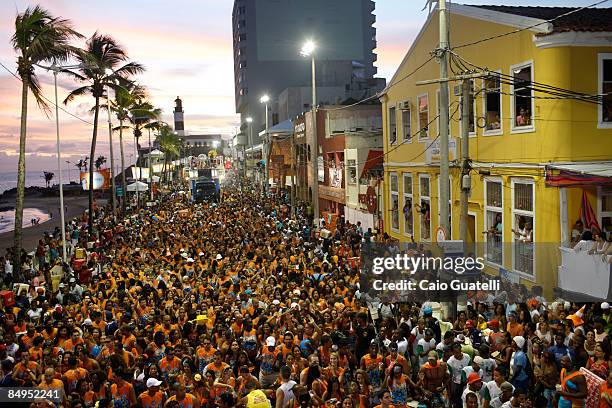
x=405, y=105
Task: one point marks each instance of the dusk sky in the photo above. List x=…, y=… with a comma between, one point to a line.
x=186, y=46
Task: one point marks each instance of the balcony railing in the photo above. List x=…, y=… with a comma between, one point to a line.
x=584, y=274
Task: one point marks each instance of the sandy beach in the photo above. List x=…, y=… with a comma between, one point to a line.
x=31, y=235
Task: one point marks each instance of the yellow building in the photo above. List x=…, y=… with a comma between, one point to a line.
x=535, y=152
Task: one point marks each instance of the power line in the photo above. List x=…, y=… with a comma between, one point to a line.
x=378, y=95
x=518, y=30
x=47, y=99
x=540, y=87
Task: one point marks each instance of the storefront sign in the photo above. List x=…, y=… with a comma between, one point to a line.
x=332, y=194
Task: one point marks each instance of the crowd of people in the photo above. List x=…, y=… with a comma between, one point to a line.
x=236, y=304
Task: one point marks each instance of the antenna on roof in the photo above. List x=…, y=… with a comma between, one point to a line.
x=429, y=4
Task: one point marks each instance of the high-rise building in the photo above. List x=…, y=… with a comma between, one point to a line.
x=268, y=36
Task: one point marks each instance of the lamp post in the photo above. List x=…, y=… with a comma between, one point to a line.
x=150, y=168
x=249, y=142
x=265, y=99
x=110, y=72
x=69, y=172
x=56, y=69
x=308, y=51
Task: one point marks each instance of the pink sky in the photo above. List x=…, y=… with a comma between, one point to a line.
x=186, y=47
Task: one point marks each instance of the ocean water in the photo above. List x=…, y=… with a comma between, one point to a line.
x=7, y=218
x=8, y=180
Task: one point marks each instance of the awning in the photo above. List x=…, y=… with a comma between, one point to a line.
x=373, y=162
x=579, y=174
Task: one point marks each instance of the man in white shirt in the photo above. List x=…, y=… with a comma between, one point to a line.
x=456, y=363
x=505, y=395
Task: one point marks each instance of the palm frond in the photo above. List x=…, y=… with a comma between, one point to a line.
x=76, y=92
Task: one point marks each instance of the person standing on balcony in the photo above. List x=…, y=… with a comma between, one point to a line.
x=601, y=244
x=576, y=233
x=585, y=243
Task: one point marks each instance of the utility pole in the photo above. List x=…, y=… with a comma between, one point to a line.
x=465, y=157
x=443, y=120
x=293, y=159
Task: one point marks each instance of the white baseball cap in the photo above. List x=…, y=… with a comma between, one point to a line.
x=153, y=382
x=271, y=341
x=605, y=306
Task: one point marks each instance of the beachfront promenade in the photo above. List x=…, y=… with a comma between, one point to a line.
x=31, y=235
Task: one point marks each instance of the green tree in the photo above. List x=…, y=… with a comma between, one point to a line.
x=170, y=144
x=103, y=65
x=39, y=38
x=100, y=162
x=121, y=106
x=48, y=176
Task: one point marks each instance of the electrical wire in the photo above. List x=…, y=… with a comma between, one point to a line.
x=518, y=30
x=378, y=95
x=506, y=79
x=47, y=99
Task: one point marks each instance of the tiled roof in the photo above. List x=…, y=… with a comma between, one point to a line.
x=590, y=19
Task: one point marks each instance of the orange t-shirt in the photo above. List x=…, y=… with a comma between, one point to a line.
x=187, y=402
x=124, y=395
x=148, y=401
x=604, y=389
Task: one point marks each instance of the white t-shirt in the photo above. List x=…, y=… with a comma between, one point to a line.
x=488, y=365
x=402, y=346
x=426, y=346
x=418, y=336
x=456, y=366
x=466, y=391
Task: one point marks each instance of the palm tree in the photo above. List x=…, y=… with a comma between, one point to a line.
x=48, y=176
x=82, y=164
x=143, y=112
x=122, y=105
x=100, y=162
x=102, y=52
x=169, y=143
x=39, y=37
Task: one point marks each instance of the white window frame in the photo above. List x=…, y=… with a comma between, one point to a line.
x=391, y=195
x=406, y=195
x=513, y=127
x=392, y=121
x=531, y=214
x=493, y=132
x=601, y=214
x=420, y=125
x=401, y=116
x=600, y=59
x=449, y=234
x=348, y=172
x=428, y=199
x=486, y=223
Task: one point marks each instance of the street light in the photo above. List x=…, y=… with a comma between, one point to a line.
x=265, y=99
x=308, y=51
x=249, y=143
x=108, y=73
x=55, y=68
